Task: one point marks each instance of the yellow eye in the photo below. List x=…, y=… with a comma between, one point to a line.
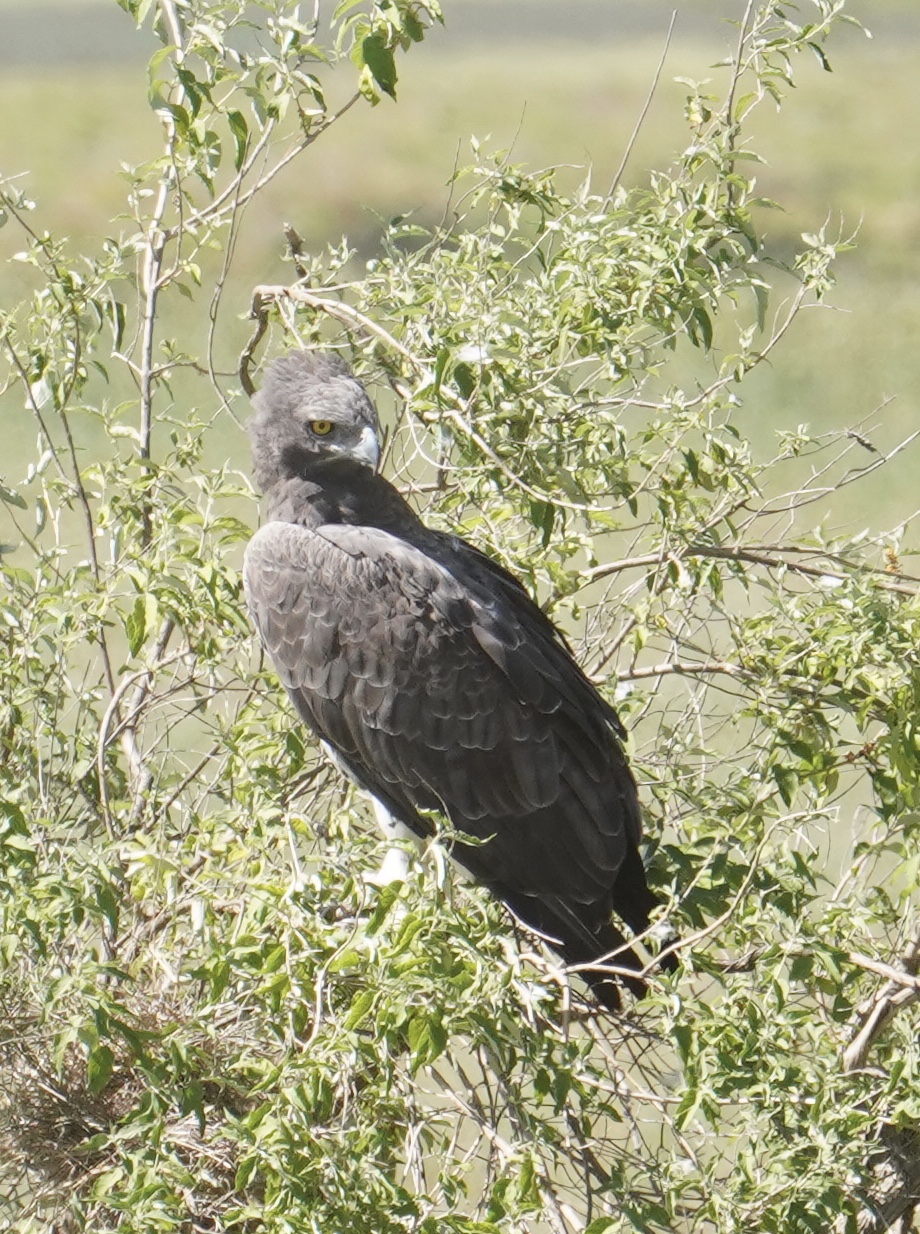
x=322, y=428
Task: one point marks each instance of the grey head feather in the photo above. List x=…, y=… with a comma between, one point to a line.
x=299, y=389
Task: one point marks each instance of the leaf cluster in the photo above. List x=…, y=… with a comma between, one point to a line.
x=214, y=1018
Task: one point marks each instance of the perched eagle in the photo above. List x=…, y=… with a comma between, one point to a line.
x=436, y=681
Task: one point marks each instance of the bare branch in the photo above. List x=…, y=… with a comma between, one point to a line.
x=901, y=989
x=777, y=558
x=678, y=668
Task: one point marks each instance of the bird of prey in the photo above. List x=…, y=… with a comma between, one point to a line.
x=434, y=679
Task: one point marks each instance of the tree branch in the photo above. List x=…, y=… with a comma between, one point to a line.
x=895, y=1162
x=775, y=559
x=901, y=989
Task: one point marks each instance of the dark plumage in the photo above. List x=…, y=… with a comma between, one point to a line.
x=434, y=677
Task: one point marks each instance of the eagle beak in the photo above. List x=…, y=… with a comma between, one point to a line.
x=367, y=449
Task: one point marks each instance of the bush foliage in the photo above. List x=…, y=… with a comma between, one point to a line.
x=212, y=1019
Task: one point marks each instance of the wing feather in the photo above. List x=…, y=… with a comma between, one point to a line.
x=440, y=684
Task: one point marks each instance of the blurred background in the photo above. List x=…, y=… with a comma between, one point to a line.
x=554, y=82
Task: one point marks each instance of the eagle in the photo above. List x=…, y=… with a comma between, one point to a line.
x=435, y=681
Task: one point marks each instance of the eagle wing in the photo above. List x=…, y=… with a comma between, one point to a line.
x=441, y=686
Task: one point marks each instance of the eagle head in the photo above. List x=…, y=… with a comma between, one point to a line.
x=310, y=402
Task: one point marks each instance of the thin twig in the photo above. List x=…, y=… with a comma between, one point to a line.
x=678, y=668
x=773, y=559
x=614, y=183
x=231, y=199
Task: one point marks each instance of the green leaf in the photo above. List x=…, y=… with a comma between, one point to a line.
x=136, y=625
x=821, y=57
x=408, y=928
x=99, y=1067
x=274, y=960
x=219, y=978
x=161, y=60
x=427, y=1038
x=701, y=329
x=348, y=959
x=109, y=904
x=12, y=498
x=787, y=782
x=240, y=131
x=543, y=517
x=687, y=1107
x=245, y=1173
x=378, y=57
x=360, y=1009
x=413, y=27
x=386, y=898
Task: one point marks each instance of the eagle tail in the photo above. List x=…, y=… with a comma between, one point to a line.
x=609, y=950
x=634, y=903
x=565, y=929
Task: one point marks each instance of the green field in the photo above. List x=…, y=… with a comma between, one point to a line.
x=840, y=152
